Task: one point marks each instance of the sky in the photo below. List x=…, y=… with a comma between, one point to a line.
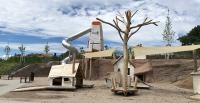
x=35, y=22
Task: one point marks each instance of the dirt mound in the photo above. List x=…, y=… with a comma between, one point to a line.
x=185, y=83
x=100, y=68
x=39, y=69
x=172, y=70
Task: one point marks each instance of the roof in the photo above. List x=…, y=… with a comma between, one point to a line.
x=143, y=69
x=64, y=70
x=140, y=51
x=105, y=53
x=120, y=59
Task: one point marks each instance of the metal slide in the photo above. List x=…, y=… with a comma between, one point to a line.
x=67, y=44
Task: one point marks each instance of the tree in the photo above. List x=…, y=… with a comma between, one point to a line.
x=168, y=33
x=46, y=49
x=126, y=20
x=22, y=51
x=193, y=37
x=7, y=50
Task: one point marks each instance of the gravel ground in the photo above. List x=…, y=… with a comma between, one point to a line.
x=8, y=85
x=159, y=93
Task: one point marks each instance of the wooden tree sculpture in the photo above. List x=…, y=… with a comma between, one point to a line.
x=125, y=34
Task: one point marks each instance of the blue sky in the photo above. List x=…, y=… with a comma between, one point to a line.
x=35, y=22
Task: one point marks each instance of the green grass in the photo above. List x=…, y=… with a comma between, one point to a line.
x=6, y=67
x=13, y=63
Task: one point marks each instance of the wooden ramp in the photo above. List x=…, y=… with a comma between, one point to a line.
x=43, y=88
x=120, y=90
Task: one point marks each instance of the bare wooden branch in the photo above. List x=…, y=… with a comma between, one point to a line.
x=122, y=17
x=132, y=33
x=117, y=25
x=134, y=13
x=145, y=23
x=107, y=23
x=119, y=29
x=120, y=35
x=122, y=21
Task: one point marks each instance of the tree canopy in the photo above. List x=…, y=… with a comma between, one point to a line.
x=168, y=33
x=193, y=37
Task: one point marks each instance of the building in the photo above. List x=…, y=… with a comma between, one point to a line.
x=65, y=76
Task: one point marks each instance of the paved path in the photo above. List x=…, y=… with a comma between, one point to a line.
x=8, y=85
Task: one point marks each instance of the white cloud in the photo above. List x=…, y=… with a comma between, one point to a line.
x=68, y=17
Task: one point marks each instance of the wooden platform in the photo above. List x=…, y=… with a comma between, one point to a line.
x=120, y=90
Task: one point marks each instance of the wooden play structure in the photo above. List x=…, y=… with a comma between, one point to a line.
x=63, y=75
x=71, y=74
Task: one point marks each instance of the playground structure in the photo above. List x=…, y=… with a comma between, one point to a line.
x=68, y=66
x=95, y=42
x=95, y=50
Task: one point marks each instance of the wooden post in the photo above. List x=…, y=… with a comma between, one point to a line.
x=73, y=63
x=86, y=67
x=82, y=68
x=90, y=76
x=72, y=81
x=25, y=79
x=20, y=79
x=195, y=60
x=135, y=83
x=113, y=83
